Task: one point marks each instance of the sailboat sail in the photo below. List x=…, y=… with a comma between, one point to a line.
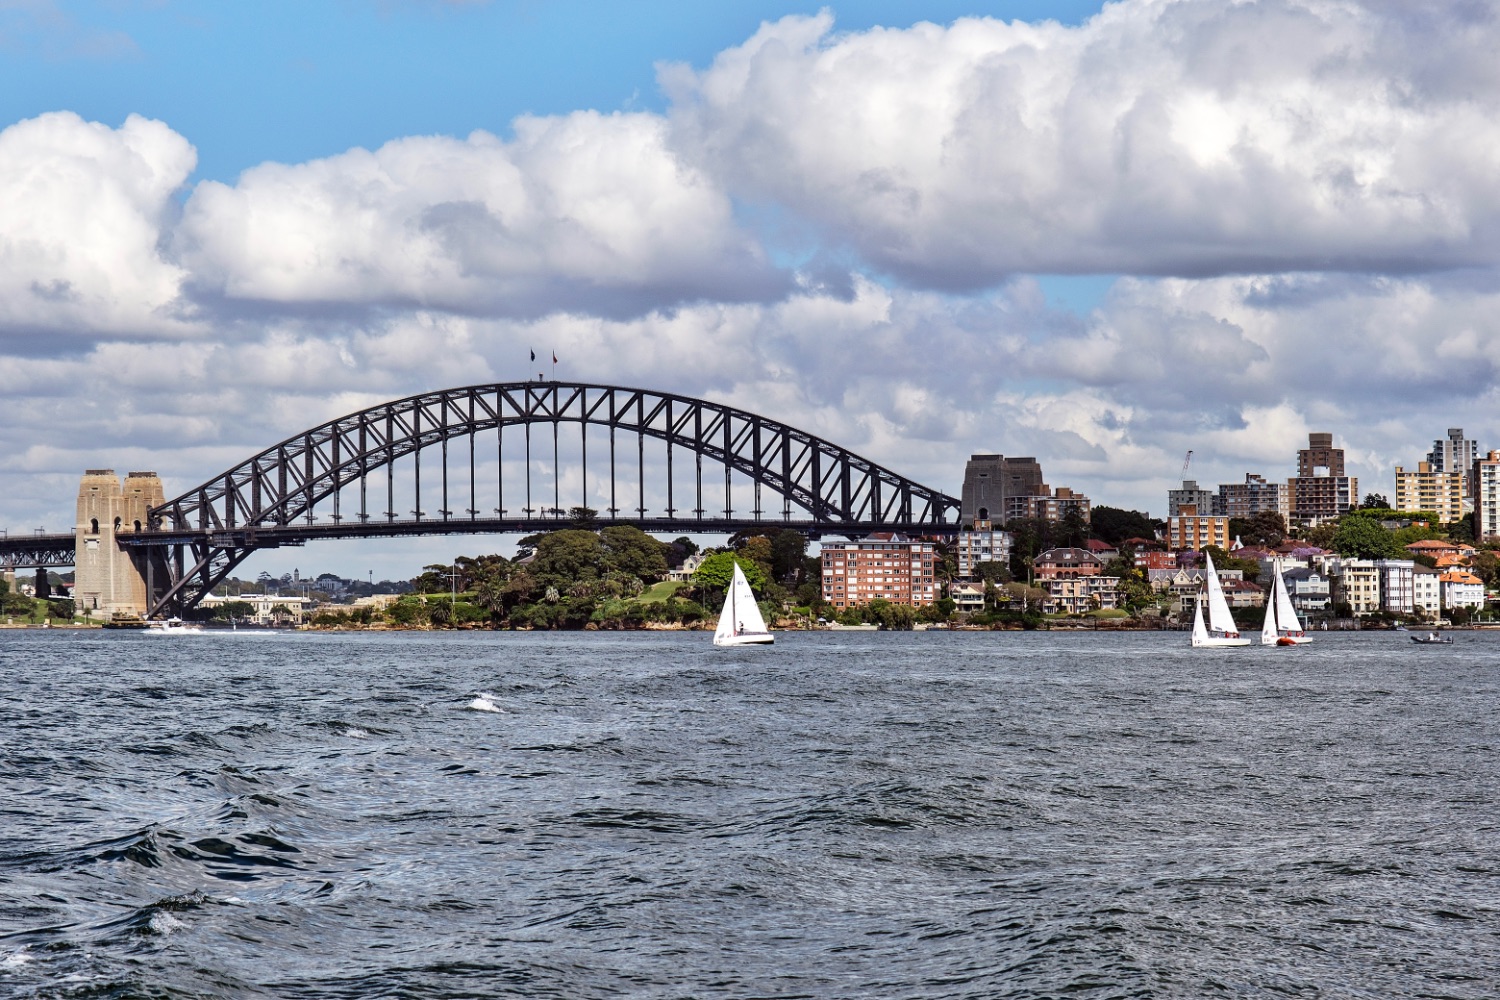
x=1219, y=618
x=725, y=632
x=1286, y=612
x=1268, y=633
x=1200, y=631
x=746, y=612
x=740, y=623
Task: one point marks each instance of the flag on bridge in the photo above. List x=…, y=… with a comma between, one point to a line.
x=533, y=355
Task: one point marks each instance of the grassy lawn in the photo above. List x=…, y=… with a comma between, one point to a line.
x=658, y=593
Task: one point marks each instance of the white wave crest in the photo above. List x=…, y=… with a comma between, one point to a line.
x=483, y=702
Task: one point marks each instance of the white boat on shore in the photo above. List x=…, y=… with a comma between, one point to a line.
x=1282, y=626
x=1220, y=629
x=741, y=623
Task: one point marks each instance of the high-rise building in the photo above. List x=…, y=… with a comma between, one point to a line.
x=990, y=480
x=1320, y=489
x=1200, y=499
x=1454, y=453
x=1487, y=497
x=883, y=565
x=1251, y=497
x=1433, y=490
x=1320, y=457
x=1192, y=531
x=1049, y=505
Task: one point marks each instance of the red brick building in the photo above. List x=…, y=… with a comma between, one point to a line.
x=883, y=565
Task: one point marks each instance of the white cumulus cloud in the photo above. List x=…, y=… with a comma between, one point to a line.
x=82, y=219
x=1187, y=137
x=583, y=212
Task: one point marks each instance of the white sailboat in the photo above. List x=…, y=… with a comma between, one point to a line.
x=1221, y=629
x=740, y=623
x=1282, y=626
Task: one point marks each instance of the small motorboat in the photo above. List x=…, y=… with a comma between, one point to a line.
x=172, y=626
x=1431, y=639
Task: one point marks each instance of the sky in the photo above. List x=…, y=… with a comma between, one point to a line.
x=1102, y=235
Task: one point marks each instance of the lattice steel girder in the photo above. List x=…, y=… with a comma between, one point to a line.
x=289, y=479
x=31, y=551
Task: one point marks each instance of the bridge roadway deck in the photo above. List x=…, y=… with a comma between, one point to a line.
x=29, y=551
x=58, y=549
x=269, y=536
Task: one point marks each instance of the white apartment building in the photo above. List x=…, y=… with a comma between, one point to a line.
x=1396, y=587
x=1487, y=497
x=1308, y=589
x=1427, y=591
x=983, y=544
x=1462, y=589
x=1369, y=585
x=1080, y=594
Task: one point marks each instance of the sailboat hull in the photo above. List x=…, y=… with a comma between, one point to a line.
x=747, y=639
x=1211, y=643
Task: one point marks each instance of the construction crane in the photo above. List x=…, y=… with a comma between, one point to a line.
x=1185, y=463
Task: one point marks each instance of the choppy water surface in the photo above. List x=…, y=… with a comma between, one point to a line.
x=858, y=815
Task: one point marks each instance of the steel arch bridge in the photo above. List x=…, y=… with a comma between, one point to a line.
x=352, y=478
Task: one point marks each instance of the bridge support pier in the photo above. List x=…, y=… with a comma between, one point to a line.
x=108, y=579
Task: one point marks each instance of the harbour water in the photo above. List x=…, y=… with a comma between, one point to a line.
x=839, y=815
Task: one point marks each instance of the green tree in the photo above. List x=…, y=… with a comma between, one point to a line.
x=433, y=579
x=992, y=572
x=892, y=616
x=1375, y=501
x=567, y=556
x=1073, y=529
x=234, y=609
x=788, y=550
x=1114, y=525
x=717, y=571
x=1364, y=538
x=628, y=549
x=1266, y=528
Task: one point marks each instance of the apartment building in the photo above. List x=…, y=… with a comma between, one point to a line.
x=981, y=545
x=1430, y=489
x=1190, y=495
x=1066, y=564
x=1369, y=585
x=1050, y=505
x=1252, y=497
x=1427, y=590
x=1190, y=530
x=1320, y=489
x=1461, y=589
x=1309, y=590
x=883, y=565
x=1455, y=454
x=1487, y=497
x=1079, y=594
x=1397, y=587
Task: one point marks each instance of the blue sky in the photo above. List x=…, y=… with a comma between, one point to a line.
x=293, y=80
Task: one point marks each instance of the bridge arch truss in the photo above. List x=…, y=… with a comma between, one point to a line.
x=480, y=454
